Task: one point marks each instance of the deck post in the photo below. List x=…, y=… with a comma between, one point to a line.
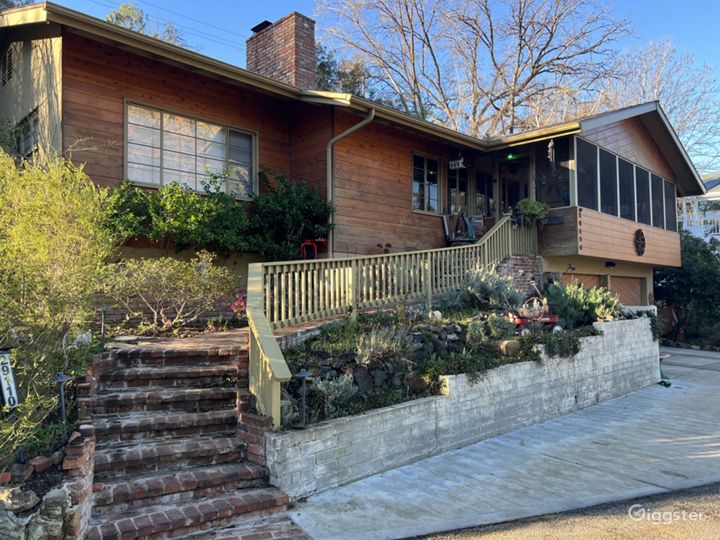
x=428, y=282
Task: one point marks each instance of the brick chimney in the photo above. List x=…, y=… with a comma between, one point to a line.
x=284, y=50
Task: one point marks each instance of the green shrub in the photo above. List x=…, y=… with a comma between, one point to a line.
x=566, y=344
x=172, y=293
x=53, y=247
x=285, y=215
x=487, y=289
x=383, y=348
x=180, y=216
x=336, y=394
x=494, y=328
x=576, y=306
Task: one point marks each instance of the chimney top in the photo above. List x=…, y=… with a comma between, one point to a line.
x=260, y=27
x=284, y=50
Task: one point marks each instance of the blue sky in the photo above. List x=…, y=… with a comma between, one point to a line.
x=218, y=28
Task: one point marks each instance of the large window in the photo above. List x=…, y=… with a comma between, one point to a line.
x=163, y=148
x=642, y=179
x=457, y=193
x=626, y=176
x=658, y=201
x=608, y=183
x=552, y=172
x=587, y=180
x=670, y=207
x=425, y=187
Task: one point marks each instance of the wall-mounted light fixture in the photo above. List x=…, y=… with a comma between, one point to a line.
x=610, y=264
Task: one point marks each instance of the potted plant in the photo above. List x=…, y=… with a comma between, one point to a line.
x=532, y=212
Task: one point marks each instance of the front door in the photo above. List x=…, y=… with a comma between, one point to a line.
x=514, y=183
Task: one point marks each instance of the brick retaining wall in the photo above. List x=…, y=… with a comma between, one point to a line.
x=338, y=451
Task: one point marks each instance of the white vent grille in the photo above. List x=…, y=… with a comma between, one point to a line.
x=6, y=66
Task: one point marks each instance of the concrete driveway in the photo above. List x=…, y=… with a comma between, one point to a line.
x=654, y=440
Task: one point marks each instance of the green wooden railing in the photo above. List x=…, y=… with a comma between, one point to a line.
x=284, y=294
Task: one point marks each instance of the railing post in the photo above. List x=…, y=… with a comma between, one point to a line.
x=354, y=286
x=428, y=282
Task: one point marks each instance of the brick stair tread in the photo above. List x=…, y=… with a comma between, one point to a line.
x=169, y=372
x=172, y=450
x=152, y=421
x=163, y=394
x=277, y=527
x=158, y=484
x=156, y=520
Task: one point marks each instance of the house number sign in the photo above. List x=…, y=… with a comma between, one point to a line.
x=7, y=381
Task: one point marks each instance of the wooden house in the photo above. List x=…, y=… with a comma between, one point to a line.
x=132, y=107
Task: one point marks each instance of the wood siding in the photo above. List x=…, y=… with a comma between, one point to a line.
x=588, y=281
x=98, y=78
x=594, y=234
x=310, y=131
x=373, y=189
x=627, y=289
x=631, y=140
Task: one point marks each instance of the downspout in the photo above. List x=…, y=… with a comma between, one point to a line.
x=329, y=164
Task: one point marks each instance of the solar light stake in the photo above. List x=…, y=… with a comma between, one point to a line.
x=61, y=379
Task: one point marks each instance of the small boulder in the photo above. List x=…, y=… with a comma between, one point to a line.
x=17, y=499
x=416, y=383
x=21, y=471
x=363, y=378
x=509, y=347
x=379, y=377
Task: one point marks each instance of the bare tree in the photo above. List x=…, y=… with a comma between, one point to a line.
x=476, y=65
x=131, y=16
x=688, y=93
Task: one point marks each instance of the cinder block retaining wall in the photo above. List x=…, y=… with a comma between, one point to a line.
x=332, y=453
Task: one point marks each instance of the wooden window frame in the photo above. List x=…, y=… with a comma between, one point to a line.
x=441, y=179
x=255, y=144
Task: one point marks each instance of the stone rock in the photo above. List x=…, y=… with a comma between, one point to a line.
x=343, y=360
x=397, y=380
x=41, y=463
x=452, y=337
x=57, y=457
x=509, y=347
x=435, y=315
x=17, y=499
x=379, y=376
x=21, y=471
x=5, y=477
x=363, y=378
x=417, y=383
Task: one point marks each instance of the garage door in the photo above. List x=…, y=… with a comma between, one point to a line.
x=628, y=289
x=586, y=280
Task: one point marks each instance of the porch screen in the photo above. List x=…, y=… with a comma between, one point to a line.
x=626, y=176
x=484, y=194
x=457, y=195
x=608, y=183
x=658, y=201
x=552, y=172
x=163, y=148
x=587, y=179
x=670, y=207
x=642, y=181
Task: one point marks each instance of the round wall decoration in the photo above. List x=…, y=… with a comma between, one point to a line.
x=639, y=242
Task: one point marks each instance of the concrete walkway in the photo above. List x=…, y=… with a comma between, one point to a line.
x=654, y=440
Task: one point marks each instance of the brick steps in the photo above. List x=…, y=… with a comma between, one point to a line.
x=158, y=358
x=173, y=487
x=135, y=427
x=164, y=399
x=277, y=527
x=220, y=374
x=145, y=457
x=180, y=520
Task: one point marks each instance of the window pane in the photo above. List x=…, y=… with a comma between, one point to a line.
x=143, y=173
x=178, y=161
x=211, y=149
x=432, y=203
x=627, y=189
x=143, y=135
x=419, y=162
x=608, y=183
x=211, y=132
x=143, y=117
x=658, y=199
x=587, y=175
x=144, y=155
x=553, y=179
x=484, y=201
x=240, y=140
x=179, y=124
x=418, y=194
x=642, y=180
x=184, y=178
x=207, y=165
x=239, y=180
x=670, y=207
x=178, y=143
